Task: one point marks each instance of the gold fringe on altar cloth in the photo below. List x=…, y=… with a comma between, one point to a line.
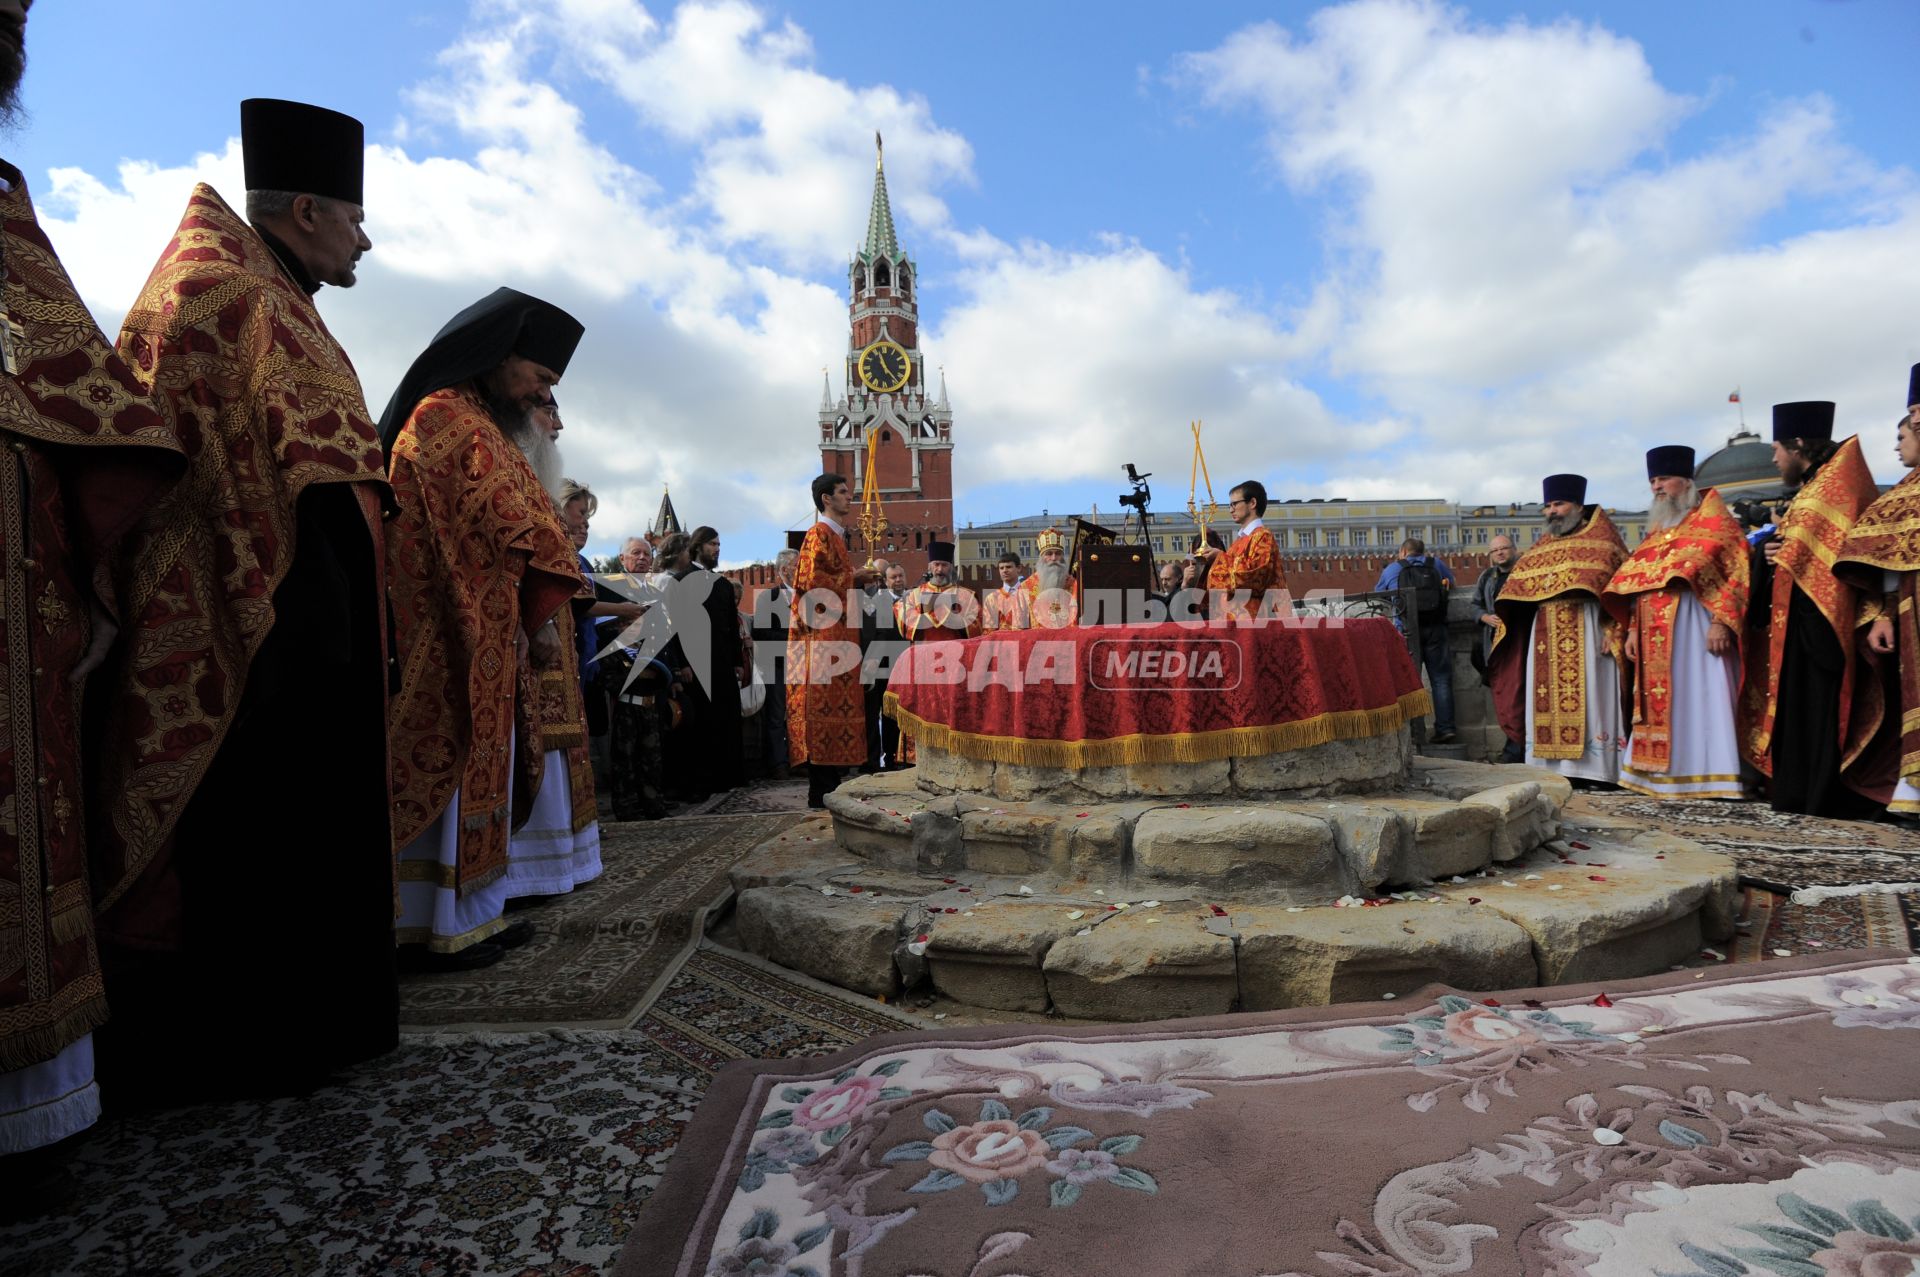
x=1185, y=747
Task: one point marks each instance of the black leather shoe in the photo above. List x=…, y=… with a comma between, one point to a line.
x=512, y=937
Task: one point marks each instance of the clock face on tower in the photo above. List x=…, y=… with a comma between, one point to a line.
x=885, y=367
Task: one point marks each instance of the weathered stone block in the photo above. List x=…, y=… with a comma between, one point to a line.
x=1016, y=840
x=941, y=771
x=1262, y=852
x=938, y=842
x=1143, y=964
x=1339, y=766
x=992, y=957
x=1520, y=826
x=831, y=938
x=1371, y=839
x=1341, y=955
x=801, y=853
x=1448, y=838
x=1643, y=917
x=1181, y=780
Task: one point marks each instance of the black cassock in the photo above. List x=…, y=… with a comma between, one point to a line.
x=1805, y=749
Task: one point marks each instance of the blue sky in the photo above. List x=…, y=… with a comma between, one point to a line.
x=1381, y=247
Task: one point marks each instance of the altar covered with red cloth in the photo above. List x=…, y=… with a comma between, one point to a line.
x=1103, y=696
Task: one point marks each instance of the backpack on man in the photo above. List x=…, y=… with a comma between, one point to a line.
x=1429, y=589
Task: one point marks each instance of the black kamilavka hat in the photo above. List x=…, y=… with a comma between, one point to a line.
x=308, y=150
x=1564, y=487
x=1805, y=419
x=1672, y=459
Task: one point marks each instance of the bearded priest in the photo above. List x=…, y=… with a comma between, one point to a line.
x=1049, y=598
x=937, y=609
x=1683, y=599
x=826, y=705
x=478, y=567
x=255, y=656
x=1883, y=551
x=1813, y=705
x=1555, y=668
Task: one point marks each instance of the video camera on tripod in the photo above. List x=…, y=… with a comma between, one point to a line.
x=1141, y=496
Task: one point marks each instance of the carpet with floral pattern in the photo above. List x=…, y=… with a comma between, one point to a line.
x=1709, y=1123
x=522, y=1153
x=600, y=950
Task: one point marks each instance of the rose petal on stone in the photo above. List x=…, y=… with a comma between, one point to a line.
x=1149, y=904
x=1531, y=878
x=1554, y=886
x=1535, y=1003
x=1025, y=890
x=963, y=888
x=1783, y=953
x=1456, y=878
x=1654, y=1028
x=1579, y=846
x=1111, y=908
x=1153, y=922
x=1295, y=909
x=1099, y=891
x=949, y=881
x=1084, y=931
x=966, y=913
x=1075, y=915
x=1081, y=815
x=856, y=890
x=1596, y=877
x=1388, y=997
x=939, y=1015
x=1608, y=1136
x=1182, y=806
x=1473, y=900
x=826, y=891
x=922, y=938
x=1816, y=944
x=1628, y=1037
x=1121, y=905
x=1603, y=1001
x=1218, y=912
x=1489, y=1002
x=917, y=948
x=1715, y=954
x=1597, y=864
x=1508, y=882
x=1661, y=856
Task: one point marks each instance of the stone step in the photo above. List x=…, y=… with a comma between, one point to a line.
x=1631, y=903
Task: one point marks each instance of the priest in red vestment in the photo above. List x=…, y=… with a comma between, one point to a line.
x=1049, y=598
x=1239, y=577
x=86, y=455
x=1814, y=704
x=1682, y=596
x=253, y=659
x=826, y=706
x=1882, y=553
x=479, y=565
x=1555, y=665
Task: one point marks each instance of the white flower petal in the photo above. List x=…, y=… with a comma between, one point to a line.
x=1608, y=1136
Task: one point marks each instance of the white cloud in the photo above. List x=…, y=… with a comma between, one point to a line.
x=1516, y=256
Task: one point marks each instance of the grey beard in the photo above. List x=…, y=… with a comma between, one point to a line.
x=543, y=454
x=1560, y=526
x=1052, y=576
x=1667, y=512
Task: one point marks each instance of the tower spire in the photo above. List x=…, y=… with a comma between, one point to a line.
x=881, y=240
x=826, y=390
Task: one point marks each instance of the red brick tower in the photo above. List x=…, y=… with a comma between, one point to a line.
x=886, y=391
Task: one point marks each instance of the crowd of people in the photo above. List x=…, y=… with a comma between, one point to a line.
x=300, y=696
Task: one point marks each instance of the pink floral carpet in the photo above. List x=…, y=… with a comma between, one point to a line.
x=1757, y=1118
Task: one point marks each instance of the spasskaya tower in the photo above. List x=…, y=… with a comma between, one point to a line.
x=886, y=392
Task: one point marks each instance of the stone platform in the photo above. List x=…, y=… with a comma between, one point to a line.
x=1373, y=879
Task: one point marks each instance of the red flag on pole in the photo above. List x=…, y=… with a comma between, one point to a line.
x=1734, y=397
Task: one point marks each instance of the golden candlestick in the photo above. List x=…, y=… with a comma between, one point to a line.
x=1199, y=476
x=873, y=517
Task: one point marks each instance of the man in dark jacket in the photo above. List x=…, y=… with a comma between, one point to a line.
x=1500, y=555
